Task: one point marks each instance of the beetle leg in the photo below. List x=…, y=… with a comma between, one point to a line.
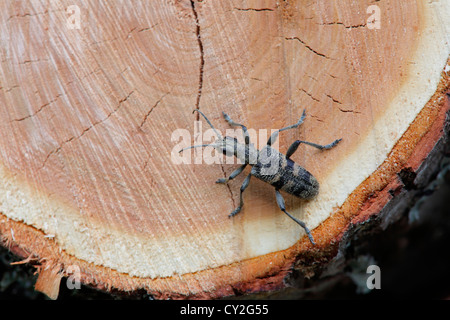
x=244, y=128
x=295, y=145
x=274, y=135
x=233, y=175
x=281, y=204
x=241, y=203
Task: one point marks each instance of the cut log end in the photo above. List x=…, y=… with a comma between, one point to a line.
x=94, y=114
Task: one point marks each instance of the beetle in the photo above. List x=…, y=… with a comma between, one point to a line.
x=269, y=165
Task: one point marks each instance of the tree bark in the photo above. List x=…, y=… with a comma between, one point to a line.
x=94, y=95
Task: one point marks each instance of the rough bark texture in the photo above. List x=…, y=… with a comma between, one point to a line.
x=92, y=94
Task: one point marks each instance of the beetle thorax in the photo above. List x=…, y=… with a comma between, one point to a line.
x=231, y=147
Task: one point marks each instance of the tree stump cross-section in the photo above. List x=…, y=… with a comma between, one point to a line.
x=91, y=94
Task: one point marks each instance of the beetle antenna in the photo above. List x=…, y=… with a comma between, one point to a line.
x=197, y=146
x=210, y=124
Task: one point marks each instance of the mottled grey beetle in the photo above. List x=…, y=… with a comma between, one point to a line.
x=269, y=165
